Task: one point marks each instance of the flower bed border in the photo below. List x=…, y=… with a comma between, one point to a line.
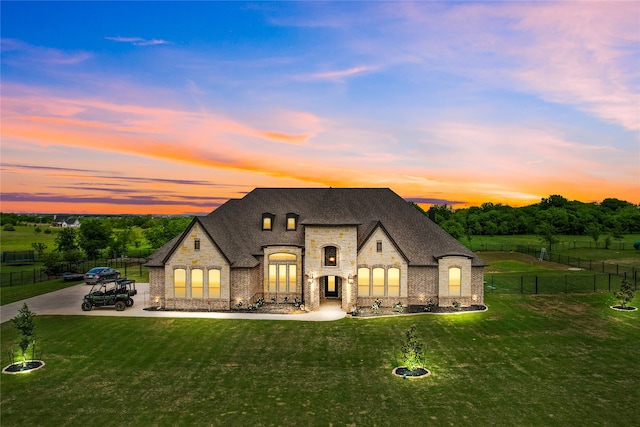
x=5, y=370
x=412, y=377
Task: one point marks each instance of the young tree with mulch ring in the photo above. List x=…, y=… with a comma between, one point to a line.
x=24, y=323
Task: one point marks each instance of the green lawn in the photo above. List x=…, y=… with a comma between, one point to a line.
x=529, y=360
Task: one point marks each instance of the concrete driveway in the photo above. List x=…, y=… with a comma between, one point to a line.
x=67, y=302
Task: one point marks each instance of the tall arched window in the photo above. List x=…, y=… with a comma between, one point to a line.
x=454, y=281
x=214, y=283
x=378, y=282
x=283, y=272
x=179, y=283
x=364, y=280
x=393, y=282
x=197, y=283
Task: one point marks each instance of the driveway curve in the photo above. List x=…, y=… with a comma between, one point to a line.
x=67, y=302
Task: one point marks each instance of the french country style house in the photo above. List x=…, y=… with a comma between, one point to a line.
x=355, y=245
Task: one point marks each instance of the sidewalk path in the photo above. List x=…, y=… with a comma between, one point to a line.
x=67, y=302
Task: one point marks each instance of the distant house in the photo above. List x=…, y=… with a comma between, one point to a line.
x=354, y=245
x=61, y=221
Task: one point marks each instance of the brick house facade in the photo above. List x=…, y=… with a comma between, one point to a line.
x=353, y=245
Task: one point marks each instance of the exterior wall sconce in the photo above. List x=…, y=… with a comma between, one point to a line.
x=350, y=279
x=311, y=276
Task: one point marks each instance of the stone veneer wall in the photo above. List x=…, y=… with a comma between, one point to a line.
x=345, y=238
x=185, y=256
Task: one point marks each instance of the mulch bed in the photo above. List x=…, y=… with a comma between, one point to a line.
x=621, y=308
x=17, y=368
x=405, y=372
x=416, y=309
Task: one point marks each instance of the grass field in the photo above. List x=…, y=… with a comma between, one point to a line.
x=23, y=236
x=529, y=360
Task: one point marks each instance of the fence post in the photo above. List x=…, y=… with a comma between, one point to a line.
x=594, y=283
x=565, y=283
x=609, y=282
x=536, y=283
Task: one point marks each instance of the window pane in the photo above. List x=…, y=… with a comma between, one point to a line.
x=363, y=281
x=214, y=283
x=291, y=223
x=272, y=278
x=331, y=284
x=282, y=278
x=393, y=282
x=197, y=283
x=378, y=282
x=281, y=256
x=454, y=281
x=330, y=256
x=266, y=223
x=180, y=283
x=293, y=275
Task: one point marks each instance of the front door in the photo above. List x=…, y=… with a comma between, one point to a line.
x=332, y=284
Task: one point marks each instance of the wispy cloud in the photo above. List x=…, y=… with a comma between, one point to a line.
x=17, y=52
x=138, y=41
x=338, y=74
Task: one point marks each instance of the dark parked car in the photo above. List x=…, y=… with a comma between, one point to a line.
x=100, y=275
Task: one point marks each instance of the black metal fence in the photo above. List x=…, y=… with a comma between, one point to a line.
x=598, y=266
x=25, y=276
x=556, y=283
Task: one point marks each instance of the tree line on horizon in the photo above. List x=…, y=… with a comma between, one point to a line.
x=553, y=215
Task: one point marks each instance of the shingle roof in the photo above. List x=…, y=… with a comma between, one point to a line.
x=236, y=226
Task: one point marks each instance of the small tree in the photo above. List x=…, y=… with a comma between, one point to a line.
x=24, y=323
x=547, y=234
x=625, y=294
x=39, y=247
x=593, y=231
x=412, y=350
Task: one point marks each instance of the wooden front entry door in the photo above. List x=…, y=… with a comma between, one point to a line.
x=332, y=284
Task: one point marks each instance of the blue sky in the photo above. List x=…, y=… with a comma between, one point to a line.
x=174, y=107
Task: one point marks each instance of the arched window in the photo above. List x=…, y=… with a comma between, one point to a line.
x=454, y=281
x=364, y=281
x=283, y=272
x=214, y=283
x=393, y=282
x=179, y=283
x=378, y=282
x=197, y=283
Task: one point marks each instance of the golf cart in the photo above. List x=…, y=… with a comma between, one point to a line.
x=117, y=293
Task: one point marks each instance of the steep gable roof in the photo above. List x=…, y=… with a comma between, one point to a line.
x=237, y=229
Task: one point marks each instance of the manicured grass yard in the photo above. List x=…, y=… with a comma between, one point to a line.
x=530, y=360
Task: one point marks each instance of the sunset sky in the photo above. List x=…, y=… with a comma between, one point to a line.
x=172, y=108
